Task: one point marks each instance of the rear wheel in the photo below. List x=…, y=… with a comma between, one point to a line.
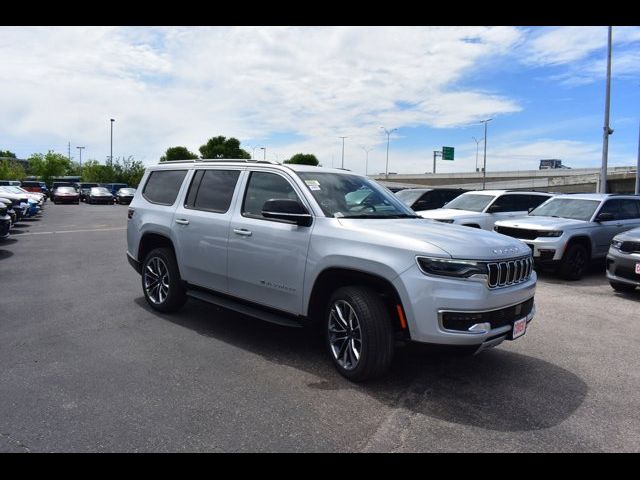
x=359, y=333
x=574, y=262
x=622, y=287
x=161, y=281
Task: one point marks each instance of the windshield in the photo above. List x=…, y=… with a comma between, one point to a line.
x=573, y=208
x=409, y=196
x=12, y=189
x=127, y=191
x=100, y=191
x=66, y=190
x=351, y=196
x=472, y=202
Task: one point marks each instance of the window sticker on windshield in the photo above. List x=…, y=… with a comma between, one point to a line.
x=314, y=187
x=312, y=183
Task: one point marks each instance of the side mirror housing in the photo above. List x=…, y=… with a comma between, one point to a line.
x=287, y=210
x=604, y=217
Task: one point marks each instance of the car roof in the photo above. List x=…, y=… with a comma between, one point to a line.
x=596, y=196
x=502, y=192
x=200, y=163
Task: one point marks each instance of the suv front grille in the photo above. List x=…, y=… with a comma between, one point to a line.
x=630, y=247
x=627, y=272
x=509, y=272
x=522, y=233
x=462, y=321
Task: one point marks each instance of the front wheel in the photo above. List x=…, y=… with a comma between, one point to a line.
x=622, y=287
x=161, y=281
x=359, y=333
x=574, y=262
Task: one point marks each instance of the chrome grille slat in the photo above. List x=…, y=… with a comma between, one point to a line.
x=509, y=272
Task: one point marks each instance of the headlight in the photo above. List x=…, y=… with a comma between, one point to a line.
x=445, y=220
x=451, y=268
x=616, y=244
x=551, y=233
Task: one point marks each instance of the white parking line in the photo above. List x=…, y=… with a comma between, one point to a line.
x=72, y=231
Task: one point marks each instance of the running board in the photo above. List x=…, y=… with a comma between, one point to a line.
x=243, y=308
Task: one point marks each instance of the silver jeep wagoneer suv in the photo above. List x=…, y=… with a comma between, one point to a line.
x=299, y=245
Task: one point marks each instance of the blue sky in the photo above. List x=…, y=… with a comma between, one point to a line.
x=298, y=89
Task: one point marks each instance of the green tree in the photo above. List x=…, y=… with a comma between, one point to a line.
x=178, y=153
x=7, y=154
x=49, y=165
x=10, y=170
x=303, y=159
x=222, y=147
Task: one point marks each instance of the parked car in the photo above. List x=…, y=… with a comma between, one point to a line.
x=282, y=243
x=5, y=222
x=125, y=195
x=482, y=208
x=37, y=198
x=428, y=198
x=623, y=261
x=569, y=231
x=10, y=209
x=5, y=183
x=84, y=188
x=20, y=203
x=99, y=195
x=32, y=186
x=66, y=195
x=114, y=187
x=55, y=185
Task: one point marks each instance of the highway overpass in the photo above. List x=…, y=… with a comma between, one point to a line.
x=619, y=180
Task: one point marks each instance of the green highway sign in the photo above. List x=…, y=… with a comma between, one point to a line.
x=447, y=153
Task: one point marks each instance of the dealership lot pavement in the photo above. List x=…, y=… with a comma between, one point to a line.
x=87, y=366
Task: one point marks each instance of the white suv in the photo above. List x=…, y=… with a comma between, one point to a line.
x=483, y=208
x=300, y=245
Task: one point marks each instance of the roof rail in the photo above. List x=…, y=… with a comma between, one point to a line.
x=226, y=160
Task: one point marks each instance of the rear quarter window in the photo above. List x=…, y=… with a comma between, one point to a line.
x=162, y=186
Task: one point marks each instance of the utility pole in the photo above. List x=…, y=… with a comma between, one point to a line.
x=484, y=167
x=436, y=153
x=607, y=131
x=477, y=146
x=388, y=132
x=638, y=166
x=366, y=162
x=342, y=165
x=264, y=151
x=111, y=155
x=80, y=150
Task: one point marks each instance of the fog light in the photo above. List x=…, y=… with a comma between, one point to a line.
x=480, y=328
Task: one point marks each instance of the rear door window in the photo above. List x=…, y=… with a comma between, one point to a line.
x=163, y=186
x=212, y=190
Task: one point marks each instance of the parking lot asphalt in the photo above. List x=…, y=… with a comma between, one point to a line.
x=87, y=366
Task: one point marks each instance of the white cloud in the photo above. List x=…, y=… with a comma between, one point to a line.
x=179, y=86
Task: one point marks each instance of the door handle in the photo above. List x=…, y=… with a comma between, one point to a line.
x=182, y=221
x=242, y=231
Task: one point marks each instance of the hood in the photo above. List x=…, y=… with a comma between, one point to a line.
x=630, y=235
x=421, y=235
x=533, y=222
x=449, y=213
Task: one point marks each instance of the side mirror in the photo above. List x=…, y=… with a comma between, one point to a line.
x=493, y=209
x=287, y=210
x=604, y=217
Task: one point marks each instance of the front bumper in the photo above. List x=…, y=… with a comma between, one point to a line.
x=621, y=267
x=425, y=299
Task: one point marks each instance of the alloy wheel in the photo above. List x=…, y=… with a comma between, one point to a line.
x=156, y=280
x=345, y=336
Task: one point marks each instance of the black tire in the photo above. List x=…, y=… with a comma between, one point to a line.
x=574, y=263
x=176, y=295
x=622, y=287
x=375, y=332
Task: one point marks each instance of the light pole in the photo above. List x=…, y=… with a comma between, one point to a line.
x=484, y=165
x=388, y=132
x=253, y=153
x=111, y=155
x=342, y=164
x=638, y=167
x=366, y=162
x=80, y=152
x=607, y=131
x=477, y=146
x=264, y=151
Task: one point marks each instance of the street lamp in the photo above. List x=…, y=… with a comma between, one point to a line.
x=111, y=155
x=80, y=151
x=366, y=162
x=343, y=151
x=264, y=151
x=477, y=146
x=484, y=166
x=606, y=129
x=388, y=132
